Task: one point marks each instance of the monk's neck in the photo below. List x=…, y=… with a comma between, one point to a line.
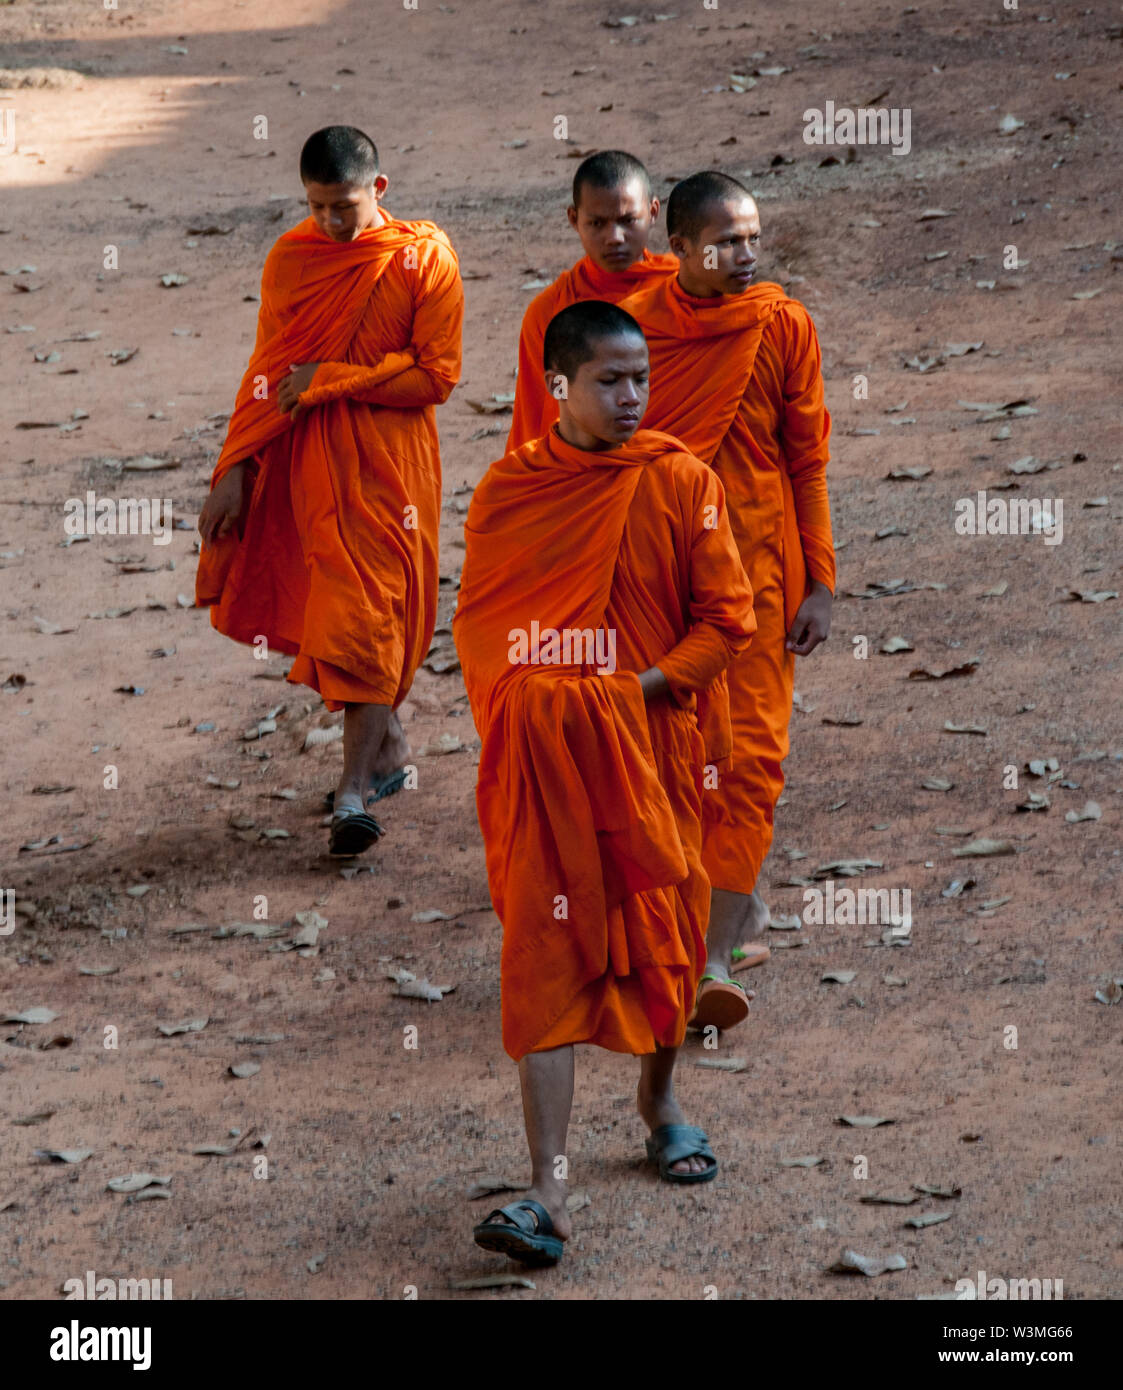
x=696, y=291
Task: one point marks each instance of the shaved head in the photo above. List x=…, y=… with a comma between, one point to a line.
x=339, y=154
x=692, y=201
x=573, y=335
x=609, y=170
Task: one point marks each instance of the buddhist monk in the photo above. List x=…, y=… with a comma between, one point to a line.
x=736, y=375
x=602, y=598
x=613, y=212
x=320, y=530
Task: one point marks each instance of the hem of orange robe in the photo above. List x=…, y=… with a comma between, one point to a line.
x=336, y=702
x=245, y=636
x=604, y=1046
x=732, y=877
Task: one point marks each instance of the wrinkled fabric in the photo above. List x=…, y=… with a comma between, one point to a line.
x=738, y=378
x=589, y=798
x=335, y=560
x=535, y=409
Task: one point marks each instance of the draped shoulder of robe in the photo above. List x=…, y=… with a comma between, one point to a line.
x=588, y=797
x=335, y=561
x=738, y=378
x=535, y=410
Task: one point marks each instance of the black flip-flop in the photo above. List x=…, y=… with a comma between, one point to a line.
x=531, y=1239
x=351, y=833
x=387, y=787
x=671, y=1143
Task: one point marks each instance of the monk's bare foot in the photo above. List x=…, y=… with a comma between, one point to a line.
x=758, y=916
x=656, y=1110
x=552, y=1197
x=394, y=752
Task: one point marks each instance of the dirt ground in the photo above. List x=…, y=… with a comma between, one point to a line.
x=135, y=126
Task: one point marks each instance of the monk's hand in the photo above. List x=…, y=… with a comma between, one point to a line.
x=290, y=387
x=223, y=507
x=813, y=621
x=653, y=683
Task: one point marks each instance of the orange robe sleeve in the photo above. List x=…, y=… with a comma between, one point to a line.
x=718, y=632
x=530, y=389
x=426, y=371
x=805, y=428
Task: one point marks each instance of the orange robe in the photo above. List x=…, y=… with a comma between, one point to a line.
x=589, y=799
x=535, y=409
x=335, y=561
x=739, y=380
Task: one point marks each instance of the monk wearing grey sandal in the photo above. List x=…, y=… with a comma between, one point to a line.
x=594, y=743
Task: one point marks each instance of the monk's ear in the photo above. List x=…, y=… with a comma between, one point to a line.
x=381, y=184
x=678, y=245
x=655, y=209
x=557, y=384
x=571, y=213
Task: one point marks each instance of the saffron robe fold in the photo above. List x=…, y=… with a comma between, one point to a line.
x=335, y=560
x=535, y=409
x=738, y=378
x=588, y=797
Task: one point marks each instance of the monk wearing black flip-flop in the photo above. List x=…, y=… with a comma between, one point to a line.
x=602, y=598
x=320, y=530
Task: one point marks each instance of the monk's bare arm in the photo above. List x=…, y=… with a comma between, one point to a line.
x=722, y=620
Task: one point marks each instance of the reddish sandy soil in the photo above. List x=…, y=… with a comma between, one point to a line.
x=130, y=141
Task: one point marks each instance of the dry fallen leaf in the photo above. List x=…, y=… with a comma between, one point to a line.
x=431, y=915
x=864, y=1121
x=938, y=1189
x=838, y=977
x=928, y=1218
x=851, y=1262
x=927, y=673
x=980, y=849
x=806, y=1161
x=1093, y=595
x=487, y=1184
x=244, y=1069
x=951, y=728
x=846, y=868
x=1110, y=993
x=722, y=1063
x=446, y=743
x=937, y=784
x=1089, y=811
x=64, y=1155
x=134, y=1182
x=39, y=1014
x=319, y=738
x=891, y=1199
x=495, y=1281
x=422, y=989
x=192, y=1025
x=895, y=644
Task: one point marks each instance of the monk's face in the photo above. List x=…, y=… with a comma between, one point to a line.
x=722, y=258
x=605, y=401
x=343, y=210
x=614, y=223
